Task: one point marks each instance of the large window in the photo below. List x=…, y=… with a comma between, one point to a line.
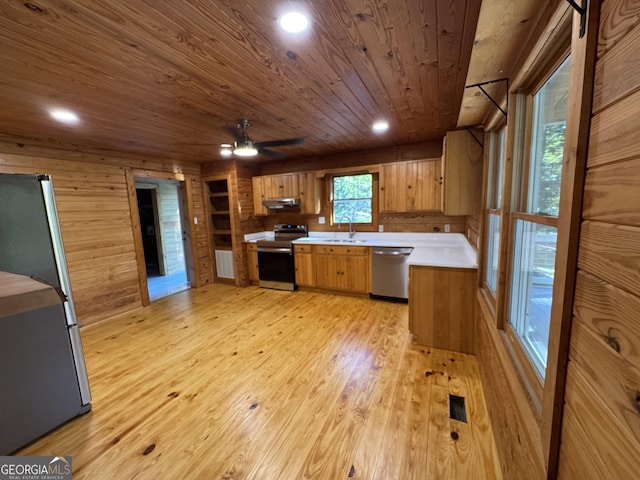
x=352, y=198
x=494, y=205
x=535, y=221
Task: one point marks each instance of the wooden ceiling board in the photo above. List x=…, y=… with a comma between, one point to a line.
x=169, y=79
x=503, y=25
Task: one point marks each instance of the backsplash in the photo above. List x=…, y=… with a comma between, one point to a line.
x=399, y=222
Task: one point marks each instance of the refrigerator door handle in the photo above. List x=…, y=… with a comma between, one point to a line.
x=81, y=368
x=58, y=247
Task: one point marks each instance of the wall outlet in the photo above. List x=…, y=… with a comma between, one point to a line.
x=381, y=228
x=447, y=228
x=195, y=220
x=321, y=220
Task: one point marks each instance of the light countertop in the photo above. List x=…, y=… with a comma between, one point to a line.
x=451, y=250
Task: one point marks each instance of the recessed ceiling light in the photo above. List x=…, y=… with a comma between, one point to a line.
x=380, y=126
x=63, y=115
x=293, y=22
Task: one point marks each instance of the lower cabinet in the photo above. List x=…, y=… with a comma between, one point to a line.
x=252, y=255
x=442, y=307
x=343, y=268
x=303, y=257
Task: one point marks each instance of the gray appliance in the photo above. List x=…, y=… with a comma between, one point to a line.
x=276, y=267
x=42, y=370
x=390, y=272
x=281, y=203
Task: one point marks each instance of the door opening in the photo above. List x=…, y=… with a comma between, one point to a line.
x=159, y=207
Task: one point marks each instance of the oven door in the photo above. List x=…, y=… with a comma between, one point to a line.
x=276, y=268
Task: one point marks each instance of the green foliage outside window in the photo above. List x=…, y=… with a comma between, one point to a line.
x=352, y=198
x=551, y=168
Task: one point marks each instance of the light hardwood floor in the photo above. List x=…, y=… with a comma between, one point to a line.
x=231, y=383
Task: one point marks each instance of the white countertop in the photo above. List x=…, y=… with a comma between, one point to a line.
x=450, y=250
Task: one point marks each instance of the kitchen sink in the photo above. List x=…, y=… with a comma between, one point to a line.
x=338, y=240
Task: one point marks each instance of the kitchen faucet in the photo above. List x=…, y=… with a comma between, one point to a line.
x=352, y=232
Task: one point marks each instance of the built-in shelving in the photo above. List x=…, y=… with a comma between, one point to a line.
x=220, y=221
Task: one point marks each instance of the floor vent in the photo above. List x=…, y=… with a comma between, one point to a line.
x=457, y=410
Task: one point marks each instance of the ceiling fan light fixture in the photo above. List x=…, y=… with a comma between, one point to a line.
x=293, y=22
x=226, y=152
x=245, y=149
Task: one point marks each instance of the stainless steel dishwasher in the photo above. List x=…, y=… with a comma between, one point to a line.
x=390, y=272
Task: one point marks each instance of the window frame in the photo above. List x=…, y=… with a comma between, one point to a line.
x=367, y=227
x=534, y=383
x=541, y=408
x=493, y=184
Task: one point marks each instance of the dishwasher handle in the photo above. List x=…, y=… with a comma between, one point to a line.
x=396, y=252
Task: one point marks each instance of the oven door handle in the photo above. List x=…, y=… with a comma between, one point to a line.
x=275, y=250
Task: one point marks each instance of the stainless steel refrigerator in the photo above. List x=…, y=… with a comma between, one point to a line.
x=43, y=377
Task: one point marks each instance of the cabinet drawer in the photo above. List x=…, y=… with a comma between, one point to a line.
x=252, y=247
x=302, y=248
x=341, y=250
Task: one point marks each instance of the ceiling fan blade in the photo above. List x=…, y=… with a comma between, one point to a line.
x=271, y=153
x=281, y=143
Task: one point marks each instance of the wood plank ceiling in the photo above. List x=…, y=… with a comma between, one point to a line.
x=169, y=78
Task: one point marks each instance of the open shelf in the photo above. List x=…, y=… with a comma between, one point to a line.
x=219, y=220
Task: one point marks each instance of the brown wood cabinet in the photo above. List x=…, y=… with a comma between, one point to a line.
x=305, y=276
x=279, y=186
x=462, y=172
x=309, y=190
x=259, y=194
x=252, y=255
x=303, y=185
x=442, y=307
x=412, y=186
x=343, y=268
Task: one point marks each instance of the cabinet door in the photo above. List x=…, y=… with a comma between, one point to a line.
x=393, y=187
x=309, y=190
x=327, y=267
x=388, y=187
x=461, y=172
x=354, y=275
x=253, y=265
x=423, y=185
x=258, y=195
x=304, y=269
x=279, y=186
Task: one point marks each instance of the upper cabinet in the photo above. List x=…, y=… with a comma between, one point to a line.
x=309, y=190
x=462, y=172
x=412, y=186
x=281, y=186
x=304, y=186
x=259, y=194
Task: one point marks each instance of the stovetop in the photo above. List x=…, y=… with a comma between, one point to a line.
x=284, y=234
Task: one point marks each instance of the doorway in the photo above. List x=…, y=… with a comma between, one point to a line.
x=159, y=207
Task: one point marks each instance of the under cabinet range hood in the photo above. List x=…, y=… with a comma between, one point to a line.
x=280, y=203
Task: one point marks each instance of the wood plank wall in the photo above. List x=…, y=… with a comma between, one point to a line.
x=392, y=222
x=414, y=151
x=92, y=202
x=170, y=227
x=601, y=419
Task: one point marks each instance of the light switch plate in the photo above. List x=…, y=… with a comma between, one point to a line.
x=321, y=220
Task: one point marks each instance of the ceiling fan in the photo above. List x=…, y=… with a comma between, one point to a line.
x=244, y=146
